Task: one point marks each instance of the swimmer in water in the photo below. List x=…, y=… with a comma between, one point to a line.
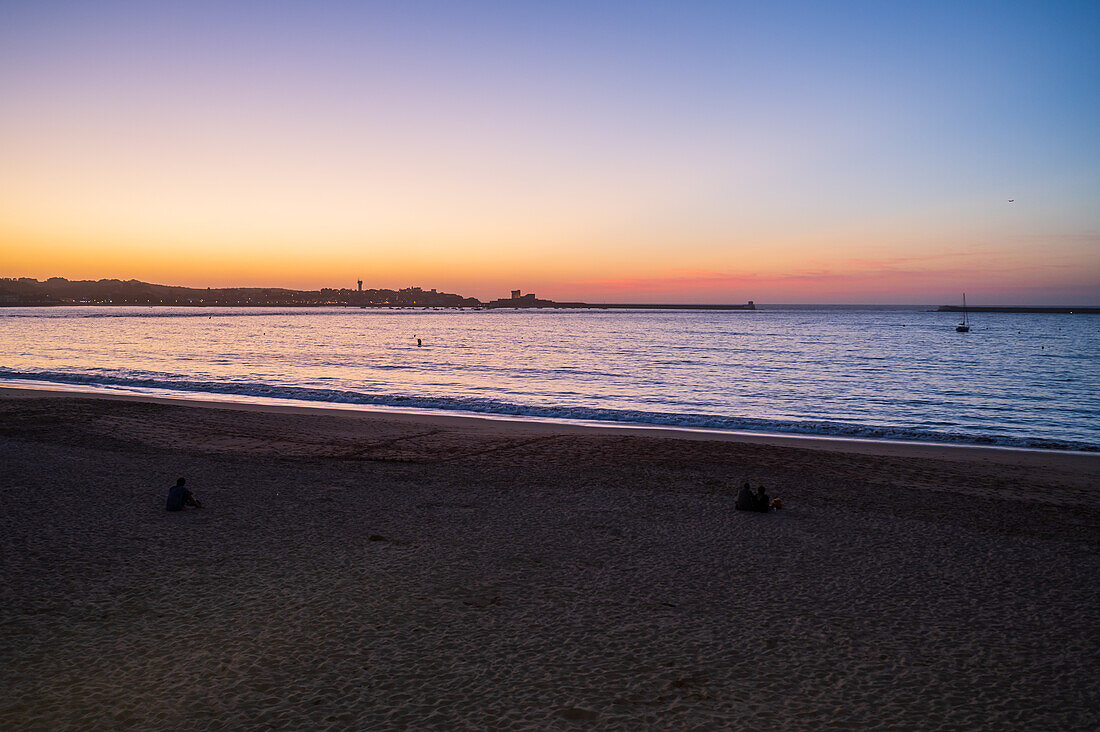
x=418, y=343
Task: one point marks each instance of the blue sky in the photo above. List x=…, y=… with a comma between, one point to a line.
x=693, y=149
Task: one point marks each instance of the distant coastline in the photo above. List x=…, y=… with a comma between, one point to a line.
x=28, y=292
x=58, y=291
x=1012, y=309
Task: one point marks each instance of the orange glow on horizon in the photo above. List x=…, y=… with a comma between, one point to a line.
x=691, y=159
x=784, y=272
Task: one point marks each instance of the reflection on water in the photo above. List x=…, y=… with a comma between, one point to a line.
x=1015, y=379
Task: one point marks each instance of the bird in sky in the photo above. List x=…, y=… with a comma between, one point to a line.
x=1011, y=200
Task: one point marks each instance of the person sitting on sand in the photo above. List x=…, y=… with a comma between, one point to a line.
x=746, y=500
x=762, y=502
x=179, y=496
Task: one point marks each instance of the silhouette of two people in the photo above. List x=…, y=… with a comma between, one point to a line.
x=750, y=500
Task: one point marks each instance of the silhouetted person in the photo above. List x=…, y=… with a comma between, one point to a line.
x=179, y=496
x=418, y=343
x=763, y=503
x=746, y=499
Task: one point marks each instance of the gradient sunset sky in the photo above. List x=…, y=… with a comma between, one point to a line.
x=677, y=152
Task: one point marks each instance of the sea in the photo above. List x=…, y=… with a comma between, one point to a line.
x=881, y=373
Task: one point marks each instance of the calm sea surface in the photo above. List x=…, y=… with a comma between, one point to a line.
x=1015, y=379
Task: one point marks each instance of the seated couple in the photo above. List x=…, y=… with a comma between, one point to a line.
x=748, y=500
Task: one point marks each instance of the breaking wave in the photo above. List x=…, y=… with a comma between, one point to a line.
x=167, y=384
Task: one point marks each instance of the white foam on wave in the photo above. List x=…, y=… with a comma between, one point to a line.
x=169, y=385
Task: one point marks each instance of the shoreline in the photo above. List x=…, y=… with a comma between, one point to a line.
x=1008, y=455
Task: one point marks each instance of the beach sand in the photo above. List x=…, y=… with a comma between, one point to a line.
x=396, y=571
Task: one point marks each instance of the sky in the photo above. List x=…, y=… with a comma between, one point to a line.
x=860, y=152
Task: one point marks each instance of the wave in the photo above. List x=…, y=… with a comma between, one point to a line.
x=171, y=383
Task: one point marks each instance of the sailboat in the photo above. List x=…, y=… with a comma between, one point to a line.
x=963, y=327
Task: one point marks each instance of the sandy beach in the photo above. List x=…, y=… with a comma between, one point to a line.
x=386, y=571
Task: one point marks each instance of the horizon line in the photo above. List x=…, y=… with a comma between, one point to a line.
x=619, y=303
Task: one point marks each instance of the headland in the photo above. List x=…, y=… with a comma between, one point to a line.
x=28, y=292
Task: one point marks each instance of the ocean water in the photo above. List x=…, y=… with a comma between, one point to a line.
x=1019, y=380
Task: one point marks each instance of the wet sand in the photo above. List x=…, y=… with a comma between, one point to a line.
x=393, y=571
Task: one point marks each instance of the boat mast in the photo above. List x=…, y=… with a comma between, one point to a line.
x=964, y=309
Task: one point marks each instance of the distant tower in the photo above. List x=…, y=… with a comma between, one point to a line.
x=360, y=285
x=515, y=294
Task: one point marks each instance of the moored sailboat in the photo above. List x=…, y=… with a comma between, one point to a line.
x=963, y=327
